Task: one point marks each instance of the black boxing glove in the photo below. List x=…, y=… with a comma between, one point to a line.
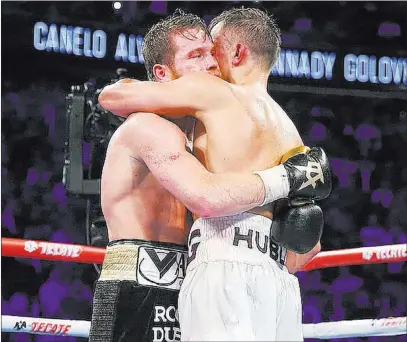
x=309, y=173
x=297, y=225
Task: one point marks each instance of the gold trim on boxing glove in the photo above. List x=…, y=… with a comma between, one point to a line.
x=293, y=152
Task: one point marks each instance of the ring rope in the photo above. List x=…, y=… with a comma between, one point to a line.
x=391, y=326
x=86, y=254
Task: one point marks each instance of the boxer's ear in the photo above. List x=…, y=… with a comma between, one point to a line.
x=162, y=73
x=240, y=54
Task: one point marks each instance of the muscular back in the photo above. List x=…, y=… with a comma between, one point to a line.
x=250, y=132
x=134, y=203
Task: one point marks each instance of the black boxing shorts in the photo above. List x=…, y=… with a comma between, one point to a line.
x=136, y=295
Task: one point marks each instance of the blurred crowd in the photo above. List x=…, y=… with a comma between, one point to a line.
x=36, y=206
x=365, y=140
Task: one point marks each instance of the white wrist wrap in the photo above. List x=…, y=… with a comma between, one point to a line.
x=276, y=184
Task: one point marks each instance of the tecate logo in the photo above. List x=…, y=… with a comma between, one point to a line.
x=50, y=328
x=386, y=253
x=391, y=322
x=49, y=248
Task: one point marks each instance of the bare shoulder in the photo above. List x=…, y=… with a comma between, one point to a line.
x=150, y=127
x=145, y=121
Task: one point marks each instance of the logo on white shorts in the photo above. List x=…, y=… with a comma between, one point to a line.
x=161, y=267
x=313, y=172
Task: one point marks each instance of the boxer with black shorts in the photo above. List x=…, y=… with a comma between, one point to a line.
x=148, y=178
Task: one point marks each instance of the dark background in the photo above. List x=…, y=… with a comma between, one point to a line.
x=363, y=128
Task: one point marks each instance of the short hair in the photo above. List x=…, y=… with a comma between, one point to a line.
x=157, y=45
x=254, y=27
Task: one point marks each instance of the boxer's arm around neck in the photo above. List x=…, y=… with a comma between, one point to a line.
x=161, y=146
x=188, y=95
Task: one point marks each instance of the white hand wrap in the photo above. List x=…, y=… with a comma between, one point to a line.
x=276, y=184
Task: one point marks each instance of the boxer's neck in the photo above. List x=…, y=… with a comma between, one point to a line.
x=248, y=75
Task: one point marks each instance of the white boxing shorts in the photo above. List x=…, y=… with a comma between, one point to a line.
x=236, y=286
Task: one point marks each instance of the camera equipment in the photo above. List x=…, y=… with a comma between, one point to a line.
x=89, y=129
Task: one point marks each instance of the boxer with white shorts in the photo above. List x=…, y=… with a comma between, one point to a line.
x=239, y=127
x=237, y=284
x=146, y=165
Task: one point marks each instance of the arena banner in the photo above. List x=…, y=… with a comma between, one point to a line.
x=296, y=66
x=349, y=67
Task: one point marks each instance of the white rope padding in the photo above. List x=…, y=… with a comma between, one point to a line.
x=356, y=328
x=45, y=326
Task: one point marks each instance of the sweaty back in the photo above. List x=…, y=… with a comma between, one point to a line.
x=258, y=132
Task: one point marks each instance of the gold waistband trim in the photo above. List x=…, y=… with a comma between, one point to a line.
x=120, y=263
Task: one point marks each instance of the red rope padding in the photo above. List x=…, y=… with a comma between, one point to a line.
x=51, y=251
x=85, y=254
x=358, y=256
